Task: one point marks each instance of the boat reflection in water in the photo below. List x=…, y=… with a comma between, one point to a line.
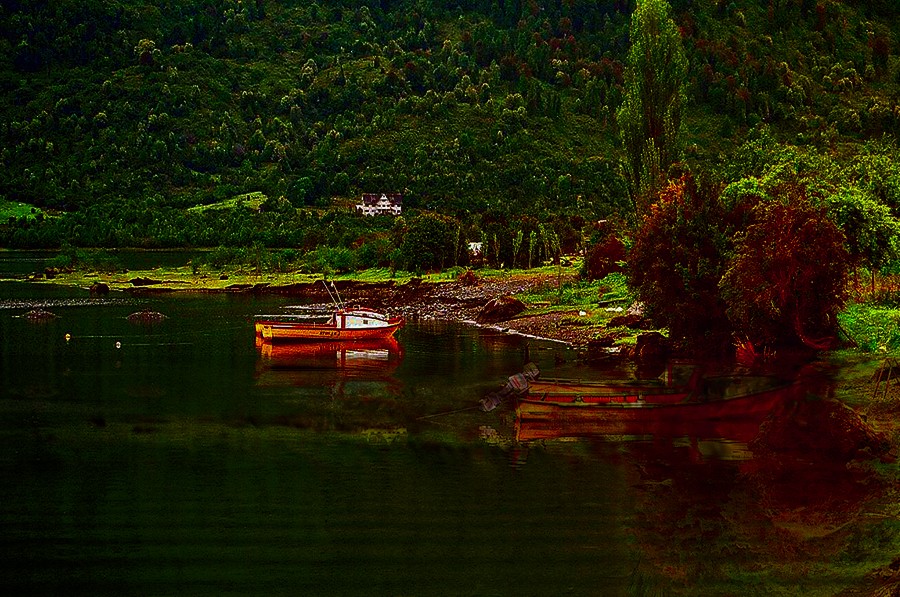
x=313, y=363
x=725, y=407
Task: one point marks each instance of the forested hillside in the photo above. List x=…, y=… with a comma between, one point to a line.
x=497, y=116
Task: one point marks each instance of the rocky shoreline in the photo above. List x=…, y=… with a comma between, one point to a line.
x=455, y=300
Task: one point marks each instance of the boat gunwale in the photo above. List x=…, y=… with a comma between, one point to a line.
x=687, y=404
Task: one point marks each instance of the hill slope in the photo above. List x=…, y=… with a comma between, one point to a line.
x=501, y=107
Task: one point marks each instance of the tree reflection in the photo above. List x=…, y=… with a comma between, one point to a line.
x=796, y=512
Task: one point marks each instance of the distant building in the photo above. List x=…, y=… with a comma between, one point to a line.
x=379, y=204
x=476, y=253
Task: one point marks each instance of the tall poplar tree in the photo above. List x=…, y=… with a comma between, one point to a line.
x=650, y=115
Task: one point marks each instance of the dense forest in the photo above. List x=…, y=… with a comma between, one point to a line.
x=124, y=123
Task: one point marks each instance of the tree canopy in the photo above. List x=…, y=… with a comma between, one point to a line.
x=650, y=116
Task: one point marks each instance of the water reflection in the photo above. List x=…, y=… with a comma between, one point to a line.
x=309, y=363
x=349, y=386
x=708, y=523
x=718, y=501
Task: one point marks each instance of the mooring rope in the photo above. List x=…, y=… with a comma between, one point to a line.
x=448, y=412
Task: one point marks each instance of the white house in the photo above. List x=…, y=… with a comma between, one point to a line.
x=375, y=204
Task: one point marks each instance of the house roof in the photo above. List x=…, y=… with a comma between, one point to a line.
x=373, y=198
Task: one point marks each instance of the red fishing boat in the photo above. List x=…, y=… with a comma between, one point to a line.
x=343, y=324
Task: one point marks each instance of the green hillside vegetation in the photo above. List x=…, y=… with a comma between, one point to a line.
x=251, y=201
x=496, y=120
x=11, y=212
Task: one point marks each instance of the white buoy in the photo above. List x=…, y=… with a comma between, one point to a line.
x=118, y=345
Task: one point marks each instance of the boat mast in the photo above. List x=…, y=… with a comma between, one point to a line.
x=338, y=295
x=337, y=302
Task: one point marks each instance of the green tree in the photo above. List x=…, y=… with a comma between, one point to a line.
x=428, y=242
x=146, y=51
x=649, y=118
x=871, y=230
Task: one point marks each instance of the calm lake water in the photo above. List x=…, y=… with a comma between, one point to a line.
x=182, y=458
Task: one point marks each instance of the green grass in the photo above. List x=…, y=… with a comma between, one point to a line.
x=578, y=293
x=872, y=328
x=14, y=209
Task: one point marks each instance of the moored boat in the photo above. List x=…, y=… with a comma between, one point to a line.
x=343, y=324
x=547, y=416
x=553, y=392
x=675, y=385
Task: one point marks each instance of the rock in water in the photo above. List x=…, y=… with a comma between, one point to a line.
x=500, y=309
x=39, y=315
x=146, y=317
x=99, y=289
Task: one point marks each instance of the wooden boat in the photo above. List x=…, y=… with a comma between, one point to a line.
x=343, y=324
x=736, y=416
x=671, y=388
x=589, y=394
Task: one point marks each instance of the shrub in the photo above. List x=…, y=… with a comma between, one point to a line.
x=221, y=257
x=329, y=260
x=283, y=260
x=872, y=328
x=375, y=253
x=86, y=259
x=787, y=280
x=604, y=258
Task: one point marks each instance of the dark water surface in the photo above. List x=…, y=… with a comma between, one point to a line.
x=184, y=459
x=179, y=459
x=18, y=263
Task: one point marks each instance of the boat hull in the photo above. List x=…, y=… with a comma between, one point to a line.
x=290, y=332
x=734, y=418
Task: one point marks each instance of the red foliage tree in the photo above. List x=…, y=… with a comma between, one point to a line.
x=788, y=277
x=677, y=261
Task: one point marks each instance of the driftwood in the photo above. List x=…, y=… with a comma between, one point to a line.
x=888, y=370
